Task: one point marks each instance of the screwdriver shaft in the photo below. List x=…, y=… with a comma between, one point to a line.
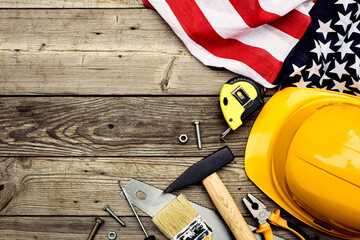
x=133, y=210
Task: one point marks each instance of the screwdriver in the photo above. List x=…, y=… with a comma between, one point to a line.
x=147, y=237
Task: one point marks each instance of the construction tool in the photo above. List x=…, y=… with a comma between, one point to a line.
x=98, y=222
x=155, y=200
x=239, y=98
x=147, y=237
x=179, y=220
x=265, y=218
x=205, y=171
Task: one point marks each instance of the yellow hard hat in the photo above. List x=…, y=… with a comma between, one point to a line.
x=304, y=153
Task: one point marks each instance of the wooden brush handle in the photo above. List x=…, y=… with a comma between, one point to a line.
x=226, y=206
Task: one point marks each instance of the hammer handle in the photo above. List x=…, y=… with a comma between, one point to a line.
x=227, y=207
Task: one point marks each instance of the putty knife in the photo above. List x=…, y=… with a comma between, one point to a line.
x=156, y=200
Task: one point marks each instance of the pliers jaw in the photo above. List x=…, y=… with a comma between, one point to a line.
x=257, y=209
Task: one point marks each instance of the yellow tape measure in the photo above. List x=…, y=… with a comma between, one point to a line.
x=239, y=98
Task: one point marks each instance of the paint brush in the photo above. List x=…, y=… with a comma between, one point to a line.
x=179, y=220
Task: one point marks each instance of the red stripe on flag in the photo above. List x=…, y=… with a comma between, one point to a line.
x=200, y=30
x=294, y=23
x=252, y=13
x=146, y=3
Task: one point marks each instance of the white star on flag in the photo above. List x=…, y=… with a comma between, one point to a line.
x=314, y=69
x=325, y=48
x=302, y=83
x=339, y=69
x=345, y=48
x=353, y=28
x=341, y=39
x=326, y=66
x=356, y=66
x=324, y=28
x=339, y=86
x=297, y=70
x=344, y=20
x=356, y=84
x=357, y=14
x=317, y=50
x=345, y=3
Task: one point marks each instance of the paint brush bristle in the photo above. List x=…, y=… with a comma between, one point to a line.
x=175, y=216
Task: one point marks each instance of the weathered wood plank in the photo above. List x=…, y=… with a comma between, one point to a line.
x=82, y=186
x=74, y=228
x=71, y=4
x=68, y=228
x=111, y=73
x=42, y=30
x=98, y=52
x=114, y=126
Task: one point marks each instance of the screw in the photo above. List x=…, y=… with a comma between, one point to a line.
x=197, y=126
x=98, y=222
x=106, y=208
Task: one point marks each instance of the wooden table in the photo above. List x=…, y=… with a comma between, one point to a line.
x=94, y=91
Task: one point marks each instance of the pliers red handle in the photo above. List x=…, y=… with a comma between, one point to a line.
x=264, y=217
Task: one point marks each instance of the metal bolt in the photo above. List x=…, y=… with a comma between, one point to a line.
x=98, y=222
x=107, y=209
x=197, y=126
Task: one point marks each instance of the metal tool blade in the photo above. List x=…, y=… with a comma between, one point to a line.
x=156, y=200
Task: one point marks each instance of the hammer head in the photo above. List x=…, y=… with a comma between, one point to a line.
x=202, y=169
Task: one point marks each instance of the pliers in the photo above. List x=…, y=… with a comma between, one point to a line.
x=264, y=217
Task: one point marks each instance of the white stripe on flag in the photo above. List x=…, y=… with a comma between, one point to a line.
x=233, y=27
x=222, y=16
x=305, y=7
x=199, y=52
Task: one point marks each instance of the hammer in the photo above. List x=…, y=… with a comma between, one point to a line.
x=205, y=171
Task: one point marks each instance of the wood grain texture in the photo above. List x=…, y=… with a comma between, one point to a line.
x=82, y=186
x=114, y=126
x=78, y=227
x=71, y=4
x=98, y=52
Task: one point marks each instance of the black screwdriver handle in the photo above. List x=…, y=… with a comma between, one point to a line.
x=152, y=237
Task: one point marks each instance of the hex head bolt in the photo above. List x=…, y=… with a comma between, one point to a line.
x=107, y=209
x=197, y=126
x=98, y=222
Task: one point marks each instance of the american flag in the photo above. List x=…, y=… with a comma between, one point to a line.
x=249, y=37
x=328, y=55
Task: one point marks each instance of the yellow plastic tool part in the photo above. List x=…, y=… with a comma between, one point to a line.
x=265, y=230
x=233, y=110
x=277, y=220
x=304, y=153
